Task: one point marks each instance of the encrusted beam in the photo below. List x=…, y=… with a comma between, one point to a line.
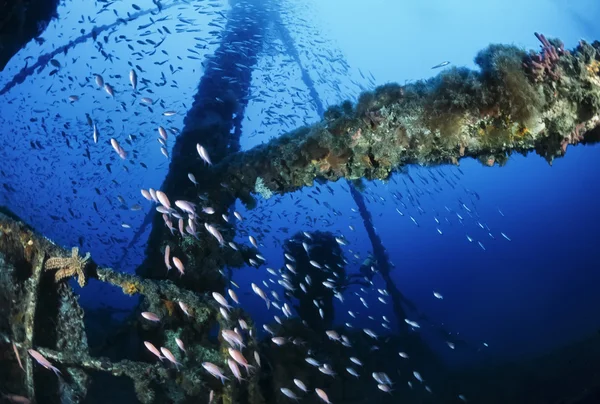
x=517, y=102
x=34, y=299
x=142, y=374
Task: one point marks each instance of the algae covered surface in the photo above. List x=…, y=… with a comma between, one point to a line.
x=505, y=107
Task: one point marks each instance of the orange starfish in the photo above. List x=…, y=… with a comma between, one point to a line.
x=69, y=266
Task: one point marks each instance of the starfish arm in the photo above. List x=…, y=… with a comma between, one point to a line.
x=81, y=277
x=56, y=263
x=63, y=273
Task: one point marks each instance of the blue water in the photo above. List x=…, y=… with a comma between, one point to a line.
x=512, y=300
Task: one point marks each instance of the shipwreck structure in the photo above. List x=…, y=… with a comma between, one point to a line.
x=518, y=102
x=20, y=22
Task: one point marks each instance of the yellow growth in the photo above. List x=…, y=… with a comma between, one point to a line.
x=170, y=306
x=130, y=288
x=594, y=67
x=522, y=131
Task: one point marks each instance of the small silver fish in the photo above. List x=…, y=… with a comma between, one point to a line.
x=289, y=393
x=99, y=80
x=300, y=385
x=109, y=90
x=133, y=79
x=445, y=63
x=203, y=154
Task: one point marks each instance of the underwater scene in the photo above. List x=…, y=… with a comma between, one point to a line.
x=299, y=201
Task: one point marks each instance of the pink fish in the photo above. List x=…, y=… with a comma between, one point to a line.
x=235, y=370
x=163, y=199
x=322, y=395
x=191, y=229
x=180, y=344
x=184, y=308
x=43, y=361
x=169, y=356
x=179, y=265
x=153, y=349
x=169, y=224
x=152, y=192
x=186, y=206
x=239, y=358
x=150, y=316
x=147, y=195
x=167, y=258
x=216, y=233
x=18, y=356
x=233, y=338
x=13, y=398
x=215, y=371
x=221, y=300
x=181, y=225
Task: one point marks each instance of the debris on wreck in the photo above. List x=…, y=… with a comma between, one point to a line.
x=42, y=317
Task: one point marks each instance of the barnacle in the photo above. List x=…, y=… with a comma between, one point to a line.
x=69, y=266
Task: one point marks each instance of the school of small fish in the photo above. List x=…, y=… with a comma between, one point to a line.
x=106, y=114
x=129, y=128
